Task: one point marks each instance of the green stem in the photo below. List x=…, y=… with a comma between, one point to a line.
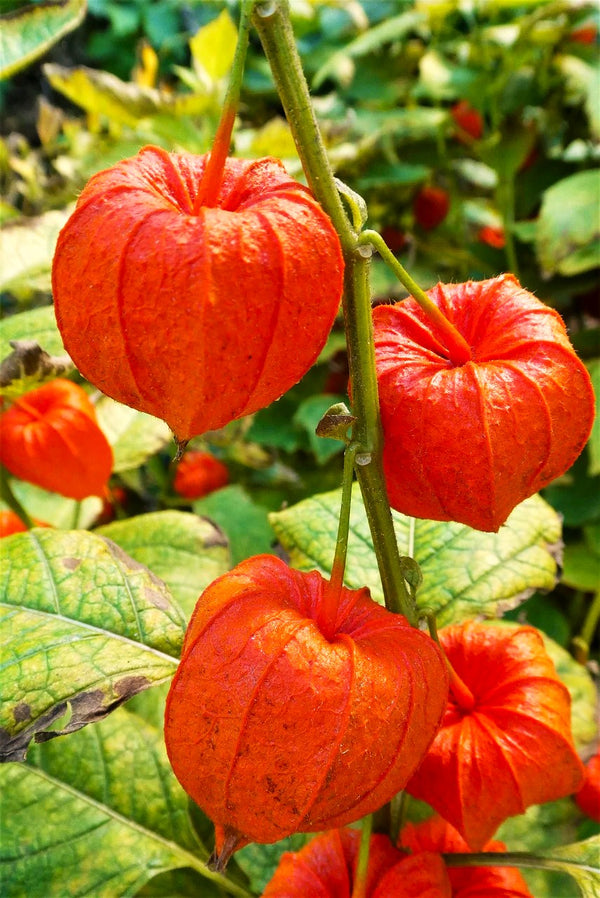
x=213, y=173
x=359, y=889
x=591, y=620
x=271, y=20
x=504, y=859
x=506, y=198
x=459, y=689
x=6, y=492
x=398, y=810
x=458, y=348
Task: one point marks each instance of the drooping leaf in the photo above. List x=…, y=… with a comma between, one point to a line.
x=568, y=232
x=580, y=860
x=465, y=572
x=123, y=102
x=134, y=436
x=29, y=32
x=26, y=254
x=84, y=627
x=98, y=814
x=186, y=551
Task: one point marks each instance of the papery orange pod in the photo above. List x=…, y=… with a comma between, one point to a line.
x=467, y=118
x=274, y=727
x=436, y=835
x=50, y=437
x=198, y=474
x=588, y=796
x=11, y=523
x=325, y=867
x=196, y=314
x=505, y=742
x=468, y=436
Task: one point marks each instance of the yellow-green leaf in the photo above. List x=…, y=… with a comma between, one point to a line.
x=186, y=551
x=98, y=814
x=213, y=46
x=83, y=627
x=37, y=324
x=568, y=230
x=26, y=252
x=580, y=860
x=133, y=435
x=465, y=572
x=29, y=32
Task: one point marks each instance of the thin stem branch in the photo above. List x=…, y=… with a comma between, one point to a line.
x=359, y=889
x=271, y=20
x=213, y=173
x=458, y=348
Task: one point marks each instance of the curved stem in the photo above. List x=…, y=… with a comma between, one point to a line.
x=458, y=348
x=462, y=694
x=359, y=889
x=213, y=173
x=271, y=20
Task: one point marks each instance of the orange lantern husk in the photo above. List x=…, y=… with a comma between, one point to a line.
x=50, y=437
x=507, y=744
x=197, y=316
x=273, y=728
x=326, y=867
x=468, y=440
x=436, y=835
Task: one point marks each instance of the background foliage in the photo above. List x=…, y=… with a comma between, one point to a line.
x=523, y=196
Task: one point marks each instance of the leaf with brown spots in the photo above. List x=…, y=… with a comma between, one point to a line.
x=84, y=627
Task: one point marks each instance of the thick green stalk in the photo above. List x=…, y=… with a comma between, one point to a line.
x=11, y=500
x=362, y=864
x=271, y=20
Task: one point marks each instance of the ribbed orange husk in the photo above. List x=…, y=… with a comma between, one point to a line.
x=198, y=474
x=469, y=441
x=436, y=835
x=513, y=747
x=325, y=868
x=588, y=796
x=197, y=317
x=273, y=729
x=50, y=437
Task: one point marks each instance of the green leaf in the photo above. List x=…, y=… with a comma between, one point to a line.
x=582, y=82
x=108, y=815
x=84, y=627
x=581, y=567
x=307, y=416
x=133, y=435
x=594, y=441
x=580, y=860
x=29, y=32
x=245, y=523
x=259, y=862
x=465, y=573
x=584, y=698
x=391, y=29
x=26, y=254
x=213, y=46
x=185, y=551
x=37, y=324
x=568, y=231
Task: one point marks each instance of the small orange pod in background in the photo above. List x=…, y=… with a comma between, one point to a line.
x=50, y=437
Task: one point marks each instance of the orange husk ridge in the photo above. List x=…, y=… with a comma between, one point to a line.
x=273, y=729
x=50, y=437
x=325, y=868
x=198, y=315
x=513, y=747
x=468, y=442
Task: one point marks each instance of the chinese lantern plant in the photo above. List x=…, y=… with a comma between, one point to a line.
x=50, y=437
x=197, y=309
x=268, y=652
